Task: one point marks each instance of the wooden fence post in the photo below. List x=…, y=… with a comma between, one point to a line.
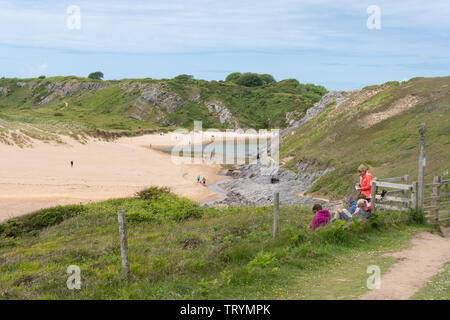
x=421, y=164
x=435, y=194
x=276, y=214
x=373, y=195
x=406, y=192
x=123, y=243
x=414, y=195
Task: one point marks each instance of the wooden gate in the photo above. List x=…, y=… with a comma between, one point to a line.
x=399, y=196
x=437, y=206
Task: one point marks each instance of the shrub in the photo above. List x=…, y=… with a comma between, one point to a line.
x=267, y=78
x=375, y=220
x=96, y=75
x=39, y=220
x=41, y=77
x=357, y=225
x=249, y=80
x=153, y=192
x=184, y=77
x=333, y=233
x=233, y=76
x=158, y=204
x=263, y=260
x=416, y=216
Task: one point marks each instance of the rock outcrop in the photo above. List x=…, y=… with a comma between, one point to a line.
x=70, y=88
x=156, y=94
x=222, y=112
x=249, y=186
x=315, y=110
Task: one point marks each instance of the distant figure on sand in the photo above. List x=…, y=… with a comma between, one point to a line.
x=198, y=179
x=71, y=164
x=204, y=181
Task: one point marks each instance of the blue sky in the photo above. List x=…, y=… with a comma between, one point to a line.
x=315, y=41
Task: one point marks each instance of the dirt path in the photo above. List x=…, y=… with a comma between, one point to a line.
x=416, y=266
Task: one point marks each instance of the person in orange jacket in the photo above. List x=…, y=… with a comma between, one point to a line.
x=365, y=182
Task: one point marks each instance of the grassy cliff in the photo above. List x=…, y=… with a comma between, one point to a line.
x=377, y=126
x=77, y=106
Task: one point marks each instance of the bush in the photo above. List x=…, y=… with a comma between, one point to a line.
x=153, y=193
x=96, y=75
x=357, y=225
x=249, y=80
x=184, y=77
x=336, y=233
x=263, y=260
x=375, y=220
x=41, y=77
x=159, y=205
x=39, y=220
x=267, y=78
x=416, y=216
x=233, y=76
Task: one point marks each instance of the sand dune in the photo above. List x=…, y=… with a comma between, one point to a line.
x=39, y=177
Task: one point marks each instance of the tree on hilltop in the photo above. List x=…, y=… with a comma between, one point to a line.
x=184, y=77
x=96, y=75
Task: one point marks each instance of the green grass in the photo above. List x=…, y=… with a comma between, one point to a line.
x=390, y=147
x=178, y=250
x=110, y=110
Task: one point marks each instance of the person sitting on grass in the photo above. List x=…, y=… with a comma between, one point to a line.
x=363, y=210
x=368, y=203
x=345, y=214
x=321, y=217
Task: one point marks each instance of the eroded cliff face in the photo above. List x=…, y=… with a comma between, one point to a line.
x=68, y=88
x=218, y=109
x=331, y=97
x=156, y=94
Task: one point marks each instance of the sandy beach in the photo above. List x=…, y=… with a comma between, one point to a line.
x=41, y=176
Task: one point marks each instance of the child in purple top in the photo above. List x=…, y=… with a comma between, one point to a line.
x=321, y=217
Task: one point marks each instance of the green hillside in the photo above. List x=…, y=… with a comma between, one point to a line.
x=377, y=126
x=77, y=106
x=179, y=250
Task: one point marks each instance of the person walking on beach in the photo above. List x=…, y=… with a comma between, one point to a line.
x=204, y=181
x=71, y=164
x=198, y=179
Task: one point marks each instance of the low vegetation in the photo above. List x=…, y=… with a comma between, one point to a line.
x=179, y=250
x=367, y=129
